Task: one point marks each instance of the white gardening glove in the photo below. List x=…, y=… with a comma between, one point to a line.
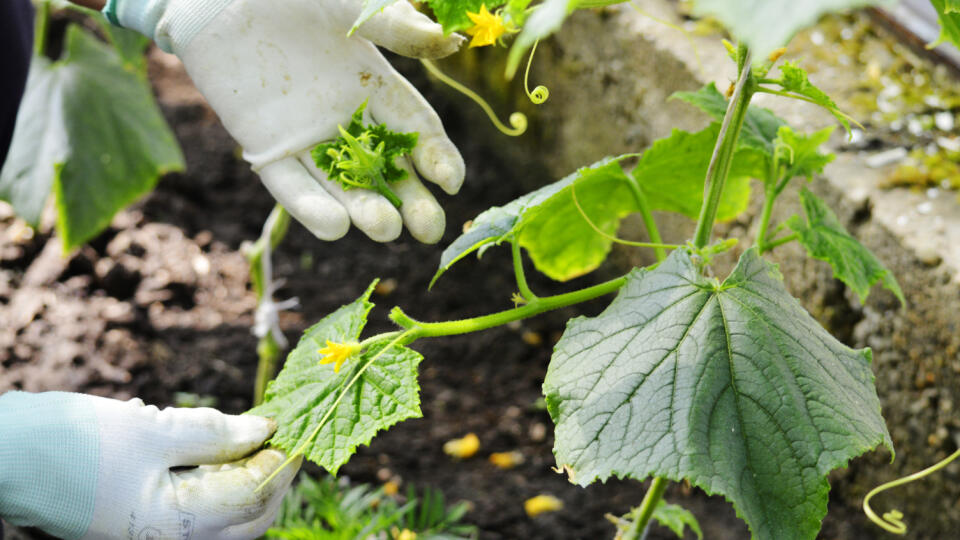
x=87, y=467
x=283, y=74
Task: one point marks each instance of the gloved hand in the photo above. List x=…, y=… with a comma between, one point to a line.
x=80, y=466
x=282, y=74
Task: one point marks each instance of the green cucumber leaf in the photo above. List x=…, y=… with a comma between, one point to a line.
x=452, y=14
x=793, y=78
x=759, y=127
x=499, y=224
x=826, y=239
x=119, y=145
x=676, y=518
x=732, y=386
x=129, y=44
x=370, y=8
x=800, y=153
x=672, y=171
x=765, y=25
x=560, y=241
x=39, y=143
x=89, y=127
x=305, y=391
x=546, y=19
x=563, y=245
x=949, y=14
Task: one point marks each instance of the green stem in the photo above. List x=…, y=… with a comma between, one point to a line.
x=770, y=197
x=518, y=272
x=645, y=511
x=723, y=153
x=384, y=189
x=261, y=270
x=268, y=354
x=767, y=246
x=43, y=22
x=644, y=206
x=418, y=329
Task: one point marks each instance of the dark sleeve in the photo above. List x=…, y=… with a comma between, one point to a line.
x=16, y=43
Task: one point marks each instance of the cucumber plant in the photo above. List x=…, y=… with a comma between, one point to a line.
x=728, y=384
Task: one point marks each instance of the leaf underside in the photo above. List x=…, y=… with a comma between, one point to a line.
x=303, y=393
x=562, y=243
x=90, y=129
x=732, y=386
x=499, y=224
x=765, y=25
x=369, y=9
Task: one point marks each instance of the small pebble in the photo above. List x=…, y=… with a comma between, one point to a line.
x=928, y=255
x=532, y=338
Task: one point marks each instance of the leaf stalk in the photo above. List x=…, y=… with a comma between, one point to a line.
x=417, y=329
x=522, y=285
x=645, y=511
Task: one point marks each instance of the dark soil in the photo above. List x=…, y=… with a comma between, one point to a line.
x=159, y=304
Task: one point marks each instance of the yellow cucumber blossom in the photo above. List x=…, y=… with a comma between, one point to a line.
x=487, y=27
x=338, y=353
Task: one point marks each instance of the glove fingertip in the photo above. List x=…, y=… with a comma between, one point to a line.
x=440, y=162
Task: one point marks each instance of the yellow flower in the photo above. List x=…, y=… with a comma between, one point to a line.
x=391, y=488
x=405, y=534
x=541, y=504
x=462, y=448
x=338, y=353
x=486, y=29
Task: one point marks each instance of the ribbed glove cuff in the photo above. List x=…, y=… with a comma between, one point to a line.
x=49, y=457
x=172, y=24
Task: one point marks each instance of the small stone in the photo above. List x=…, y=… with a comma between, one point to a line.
x=386, y=287
x=532, y=338
x=928, y=255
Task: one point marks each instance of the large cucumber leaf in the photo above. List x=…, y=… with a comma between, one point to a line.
x=324, y=413
x=561, y=242
x=90, y=128
x=39, y=142
x=499, y=224
x=671, y=174
x=730, y=385
x=765, y=25
x=552, y=224
x=826, y=239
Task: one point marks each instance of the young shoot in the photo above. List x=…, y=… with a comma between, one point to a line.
x=363, y=156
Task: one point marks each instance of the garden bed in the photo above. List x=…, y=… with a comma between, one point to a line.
x=159, y=304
